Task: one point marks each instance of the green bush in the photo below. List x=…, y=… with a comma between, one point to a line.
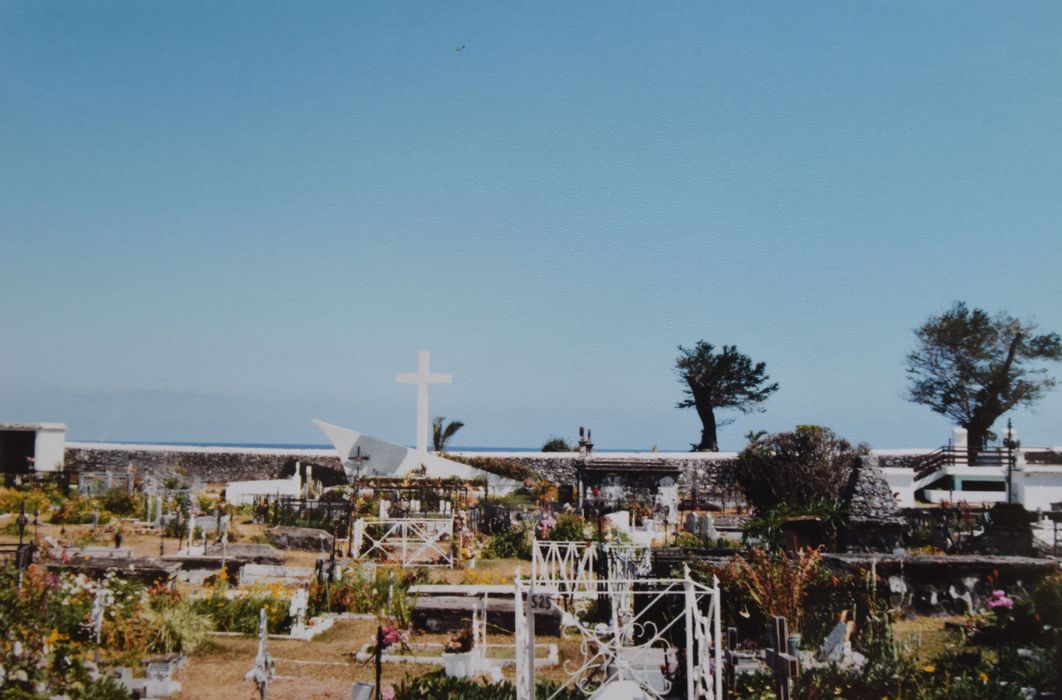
x=120, y=502
x=385, y=595
x=79, y=511
x=177, y=628
x=514, y=543
x=36, y=500
x=242, y=614
x=556, y=444
x=569, y=528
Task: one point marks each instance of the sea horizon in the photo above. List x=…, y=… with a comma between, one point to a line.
x=318, y=446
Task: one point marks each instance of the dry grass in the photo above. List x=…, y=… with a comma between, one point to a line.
x=217, y=673
x=927, y=636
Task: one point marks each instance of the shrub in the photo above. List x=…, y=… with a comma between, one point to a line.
x=767, y=527
x=776, y=582
x=556, y=444
x=177, y=628
x=514, y=543
x=796, y=469
x=43, y=636
x=36, y=500
x=119, y=502
x=569, y=528
x=689, y=540
x=79, y=511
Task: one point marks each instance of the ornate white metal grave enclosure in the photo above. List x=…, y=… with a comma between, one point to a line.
x=405, y=541
x=568, y=568
x=632, y=646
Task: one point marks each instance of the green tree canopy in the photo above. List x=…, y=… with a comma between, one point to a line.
x=556, y=444
x=798, y=469
x=973, y=368
x=724, y=380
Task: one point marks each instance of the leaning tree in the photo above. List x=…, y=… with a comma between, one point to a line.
x=973, y=367
x=720, y=380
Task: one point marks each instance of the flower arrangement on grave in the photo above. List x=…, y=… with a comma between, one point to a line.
x=546, y=525
x=459, y=641
x=393, y=635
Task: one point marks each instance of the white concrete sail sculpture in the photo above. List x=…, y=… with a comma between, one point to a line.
x=381, y=458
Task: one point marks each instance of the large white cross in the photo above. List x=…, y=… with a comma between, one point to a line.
x=422, y=379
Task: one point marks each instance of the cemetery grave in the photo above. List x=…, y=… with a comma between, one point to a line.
x=604, y=593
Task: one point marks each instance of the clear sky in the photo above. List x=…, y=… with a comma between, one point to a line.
x=220, y=220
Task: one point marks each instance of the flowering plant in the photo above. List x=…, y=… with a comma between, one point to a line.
x=391, y=634
x=1000, y=600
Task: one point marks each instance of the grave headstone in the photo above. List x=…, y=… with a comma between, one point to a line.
x=264, y=665
x=158, y=678
x=783, y=662
x=706, y=527
x=300, y=602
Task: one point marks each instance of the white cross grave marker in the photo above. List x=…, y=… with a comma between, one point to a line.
x=422, y=379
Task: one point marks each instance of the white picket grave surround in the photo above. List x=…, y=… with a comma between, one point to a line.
x=405, y=541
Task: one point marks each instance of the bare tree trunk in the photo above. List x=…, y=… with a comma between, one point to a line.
x=976, y=432
x=709, y=437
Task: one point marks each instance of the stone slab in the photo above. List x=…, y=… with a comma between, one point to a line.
x=443, y=613
x=143, y=569
x=263, y=573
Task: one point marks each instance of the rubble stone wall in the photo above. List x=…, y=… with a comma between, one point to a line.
x=217, y=466
x=208, y=467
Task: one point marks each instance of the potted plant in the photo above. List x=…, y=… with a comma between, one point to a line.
x=457, y=653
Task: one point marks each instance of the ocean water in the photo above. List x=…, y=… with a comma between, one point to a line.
x=319, y=446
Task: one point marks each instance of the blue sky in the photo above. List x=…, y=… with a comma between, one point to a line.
x=219, y=220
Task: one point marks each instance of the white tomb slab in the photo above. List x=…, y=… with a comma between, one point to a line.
x=243, y=492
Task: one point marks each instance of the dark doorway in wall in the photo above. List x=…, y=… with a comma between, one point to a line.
x=16, y=450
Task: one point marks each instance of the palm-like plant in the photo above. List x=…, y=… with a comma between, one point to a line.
x=441, y=434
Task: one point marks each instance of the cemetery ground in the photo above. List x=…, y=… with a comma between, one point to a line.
x=1004, y=644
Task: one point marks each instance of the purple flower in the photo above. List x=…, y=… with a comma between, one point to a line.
x=999, y=599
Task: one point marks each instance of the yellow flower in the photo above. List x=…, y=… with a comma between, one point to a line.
x=52, y=637
x=929, y=668
x=983, y=675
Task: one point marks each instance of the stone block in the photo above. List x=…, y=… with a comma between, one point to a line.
x=307, y=538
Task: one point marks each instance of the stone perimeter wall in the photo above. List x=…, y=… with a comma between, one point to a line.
x=208, y=467
x=705, y=471
x=219, y=467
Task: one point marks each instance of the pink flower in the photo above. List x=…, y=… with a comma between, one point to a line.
x=999, y=599
x=387, y=693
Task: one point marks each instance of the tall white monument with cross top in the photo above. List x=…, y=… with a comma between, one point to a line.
x=422, y=378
